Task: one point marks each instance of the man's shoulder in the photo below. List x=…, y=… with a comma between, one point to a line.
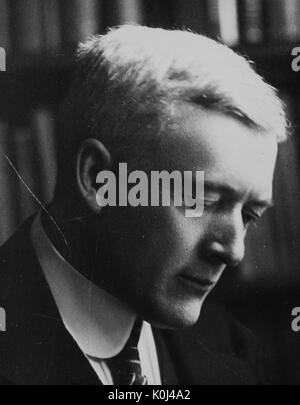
x=33, y=326
x=16, y=257
x=16, y=244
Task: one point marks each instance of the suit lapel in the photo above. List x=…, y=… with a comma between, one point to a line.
x=37, y=349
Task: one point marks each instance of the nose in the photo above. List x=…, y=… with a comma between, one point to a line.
x=225, y=239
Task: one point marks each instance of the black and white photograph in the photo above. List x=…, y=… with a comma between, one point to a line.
x=149, y=195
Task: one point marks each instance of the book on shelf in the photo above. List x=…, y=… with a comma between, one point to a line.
x=4, y=25
x=2, y=60
x=223, y=21
x=213, y=22
x=251, y=17
x=129, y=11
x=283, y=18
x=51, y=20
x=118, y=12
x=25, y=164
x=43, y=128
x=27, y=26
x=79, y=19
x=8, y=219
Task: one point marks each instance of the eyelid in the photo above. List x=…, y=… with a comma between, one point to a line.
x=253, y=217
x=209, y=193
x=254, y=214
x=210, y=202
x=258, y=211
x=212, y=196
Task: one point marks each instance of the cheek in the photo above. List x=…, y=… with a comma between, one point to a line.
x=171, y=240
x=152, y=240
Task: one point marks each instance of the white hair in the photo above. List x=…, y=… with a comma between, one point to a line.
x=127, y=79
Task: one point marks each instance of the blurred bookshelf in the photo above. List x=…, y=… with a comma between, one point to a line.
x=40, y=38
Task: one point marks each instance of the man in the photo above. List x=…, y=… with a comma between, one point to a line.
x=89, y=289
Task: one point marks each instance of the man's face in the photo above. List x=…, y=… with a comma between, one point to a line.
x=162, y=263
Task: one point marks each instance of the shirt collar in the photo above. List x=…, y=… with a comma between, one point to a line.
x=98, y=322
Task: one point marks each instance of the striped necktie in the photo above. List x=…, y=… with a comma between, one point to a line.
x=126, y=368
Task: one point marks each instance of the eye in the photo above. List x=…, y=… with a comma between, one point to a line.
x=209, y=202
x=250, y=216
x=211, y=199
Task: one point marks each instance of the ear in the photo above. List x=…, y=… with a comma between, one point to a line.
x=92, y=158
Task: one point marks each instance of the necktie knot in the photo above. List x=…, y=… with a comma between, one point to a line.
x=126, y=366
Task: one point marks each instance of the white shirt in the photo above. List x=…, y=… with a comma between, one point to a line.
x=99, y=323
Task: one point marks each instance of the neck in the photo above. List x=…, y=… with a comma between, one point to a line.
x=69, y=232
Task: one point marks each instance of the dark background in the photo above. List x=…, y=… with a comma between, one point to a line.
x=40, y=37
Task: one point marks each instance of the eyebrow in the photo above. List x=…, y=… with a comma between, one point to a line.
x=228, y=190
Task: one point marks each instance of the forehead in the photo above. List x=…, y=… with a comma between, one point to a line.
x=228, y=151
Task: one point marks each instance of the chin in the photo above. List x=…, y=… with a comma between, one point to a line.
x=177, y=316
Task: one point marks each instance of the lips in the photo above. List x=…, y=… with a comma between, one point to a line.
x=196, y=282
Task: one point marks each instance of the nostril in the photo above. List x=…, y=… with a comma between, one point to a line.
x=216, y=261
x=234, y=263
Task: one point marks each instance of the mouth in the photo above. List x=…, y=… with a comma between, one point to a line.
x=201, y=285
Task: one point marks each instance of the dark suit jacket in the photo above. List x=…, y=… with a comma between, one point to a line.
x=37, y=349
